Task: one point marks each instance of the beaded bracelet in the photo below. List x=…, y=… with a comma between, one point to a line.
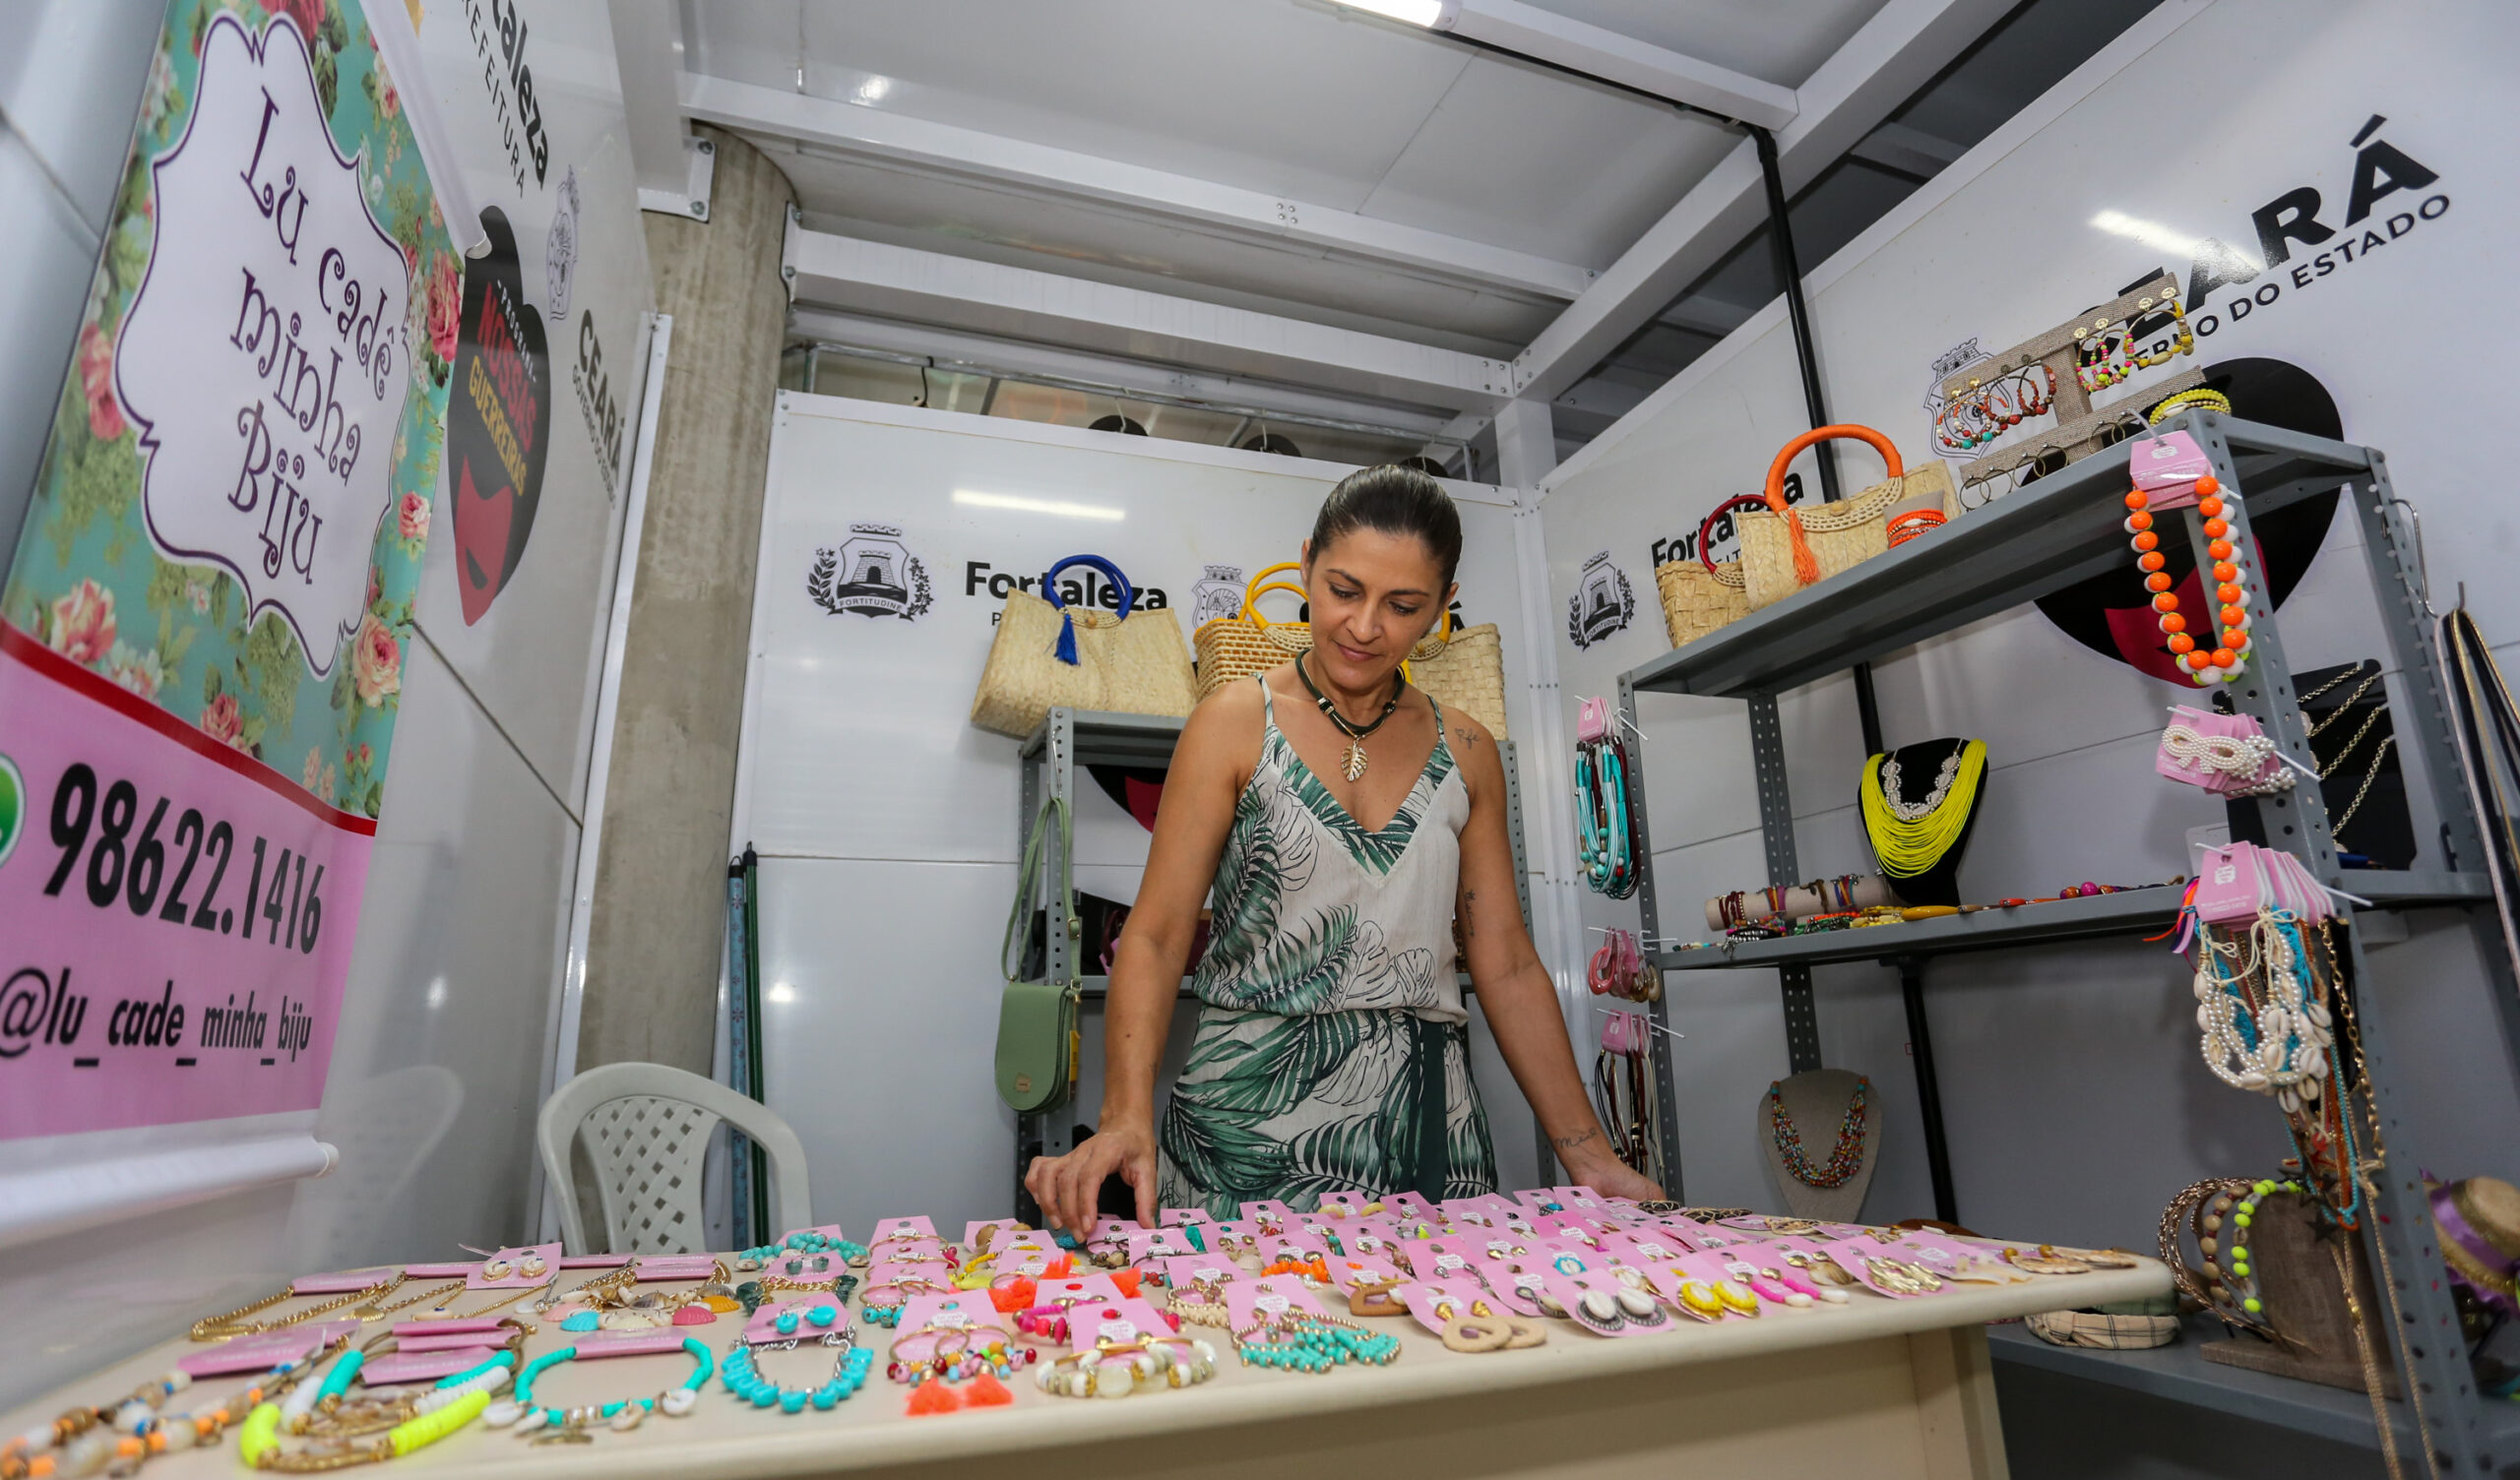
x=527, y=1417
x=1305, y=1342
x=258, y=1438
x=1119, y=1369
x=741, y=1377
x=807, y=1242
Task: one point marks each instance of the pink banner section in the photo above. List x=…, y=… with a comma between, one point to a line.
x=176, y=917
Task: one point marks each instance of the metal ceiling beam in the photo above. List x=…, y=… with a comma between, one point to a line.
x=955, y=152
x=1908, y=151
x=957, y=292
x=1896, y=52
x=1614, y=58
x=1016, y=359
x=648, y=47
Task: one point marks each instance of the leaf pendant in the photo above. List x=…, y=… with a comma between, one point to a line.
x=1354, y=764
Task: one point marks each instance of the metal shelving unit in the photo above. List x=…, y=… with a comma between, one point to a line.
x=2062, y=528
x=1049, y=756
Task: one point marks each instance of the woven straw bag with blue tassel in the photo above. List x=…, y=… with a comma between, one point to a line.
x=1052, y=651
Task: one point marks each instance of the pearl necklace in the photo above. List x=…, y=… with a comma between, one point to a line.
x=2273, y=1040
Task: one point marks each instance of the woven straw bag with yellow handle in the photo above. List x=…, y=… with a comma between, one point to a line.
x=1248, y=643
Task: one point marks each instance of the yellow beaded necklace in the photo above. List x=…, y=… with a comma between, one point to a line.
x=1907, y=847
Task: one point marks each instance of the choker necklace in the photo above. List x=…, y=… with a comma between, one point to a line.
x=1352, y=764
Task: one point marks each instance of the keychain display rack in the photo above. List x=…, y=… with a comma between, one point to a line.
x=1050, y=756
x=2053, y=533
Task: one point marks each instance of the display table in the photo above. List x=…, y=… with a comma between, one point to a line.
x=1883, y=1389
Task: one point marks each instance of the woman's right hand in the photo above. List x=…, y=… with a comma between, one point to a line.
x=1069, y=1188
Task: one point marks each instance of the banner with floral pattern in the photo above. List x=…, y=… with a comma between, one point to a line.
x=202, y=633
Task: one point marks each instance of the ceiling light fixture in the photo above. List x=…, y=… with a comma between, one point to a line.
x=1435, y=15
x=1056, y=507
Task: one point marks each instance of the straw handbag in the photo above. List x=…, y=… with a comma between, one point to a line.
x=1790, y=547
x=1464, y=670
x=1704, y=594
x=1239, y=646
x=1050, y=654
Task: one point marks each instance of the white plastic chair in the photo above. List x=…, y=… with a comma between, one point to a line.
x=647, y=1127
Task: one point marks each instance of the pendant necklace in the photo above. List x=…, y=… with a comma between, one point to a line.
x=1352, y=764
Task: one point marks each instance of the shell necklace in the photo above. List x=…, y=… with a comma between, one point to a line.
x=1353, y=764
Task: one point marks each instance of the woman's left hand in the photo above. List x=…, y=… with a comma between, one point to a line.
x=1609, y=1176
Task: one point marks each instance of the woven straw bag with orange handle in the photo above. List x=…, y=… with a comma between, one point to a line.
x=1789, y=547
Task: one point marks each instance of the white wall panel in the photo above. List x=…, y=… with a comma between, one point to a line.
x=2085, y=1057
x=887, y=822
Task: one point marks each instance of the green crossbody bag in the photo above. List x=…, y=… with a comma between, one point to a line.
x=1037, y=1032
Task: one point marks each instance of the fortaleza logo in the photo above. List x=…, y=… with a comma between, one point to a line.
x=1088, y=588
x=1217, y=594
x=2295, y=237
x=1603, y=602
x=872, y=573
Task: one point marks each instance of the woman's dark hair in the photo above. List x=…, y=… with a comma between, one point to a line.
x=1394, y=499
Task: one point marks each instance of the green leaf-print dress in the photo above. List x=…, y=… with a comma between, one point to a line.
x=1329, y=1002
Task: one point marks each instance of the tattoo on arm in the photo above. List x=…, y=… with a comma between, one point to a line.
x=1570, y=1142
x=1470, y=914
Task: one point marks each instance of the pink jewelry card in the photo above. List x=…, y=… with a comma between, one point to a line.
x=886, y=1228
x=1173, y=1216
x=1439, y=1259
x=593, y=1261
x=893, y=1270
x=2167, y=468
x=1502, y=1243
x=408, y=1366
x=1412, y=1204
x=426, y=1340
x=1124, y=1320
x=602, y=1345
x=1347, y=1204
x=1246, y=1300
x=972, y=1231
x=1347, y=1273
x=1158, y=1243
x=1321, y=1229
x=1292, y=1245
x=1232, y=1236
x=344, y=1282
x=265, y=1350
x=1076, y=1289
x=1435, y=1301
x=1029, y=1260
x=1270, y=1208
x=472, y=1326
x=1372, y=1238
x=1185, y=1270
x=1577, y=1197
x=1855, y=1256
x=1518, y=1282
x=968, y=1309
x=1110, y=1229
x=667, y=1268
x=547, y=1256
x=1657, y=1246
x=448, y=1270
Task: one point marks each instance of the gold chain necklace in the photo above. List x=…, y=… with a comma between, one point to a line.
x=234, y=1323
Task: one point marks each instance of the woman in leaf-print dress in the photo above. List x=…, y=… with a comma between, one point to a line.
x=1331, y=1052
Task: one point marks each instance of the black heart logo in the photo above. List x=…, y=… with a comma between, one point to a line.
x=498, y=417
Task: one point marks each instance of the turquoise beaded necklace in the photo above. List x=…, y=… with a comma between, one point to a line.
x=805, y=1241
x=742, y=1378
x=1308, y=1343
x=521, y=1411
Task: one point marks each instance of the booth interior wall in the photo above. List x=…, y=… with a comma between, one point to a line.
x=887, y=824
x=2072, y=1088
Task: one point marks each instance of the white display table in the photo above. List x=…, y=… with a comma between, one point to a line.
x=1876, y=1390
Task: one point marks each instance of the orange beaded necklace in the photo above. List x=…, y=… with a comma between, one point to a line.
x=2224, y=661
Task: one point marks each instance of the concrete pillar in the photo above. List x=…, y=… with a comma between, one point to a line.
x=658, y=927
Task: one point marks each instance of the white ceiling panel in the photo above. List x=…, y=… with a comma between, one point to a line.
x=1781, y=41
x=1105, y=245
x=1268, y=95
x=1521, y=156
